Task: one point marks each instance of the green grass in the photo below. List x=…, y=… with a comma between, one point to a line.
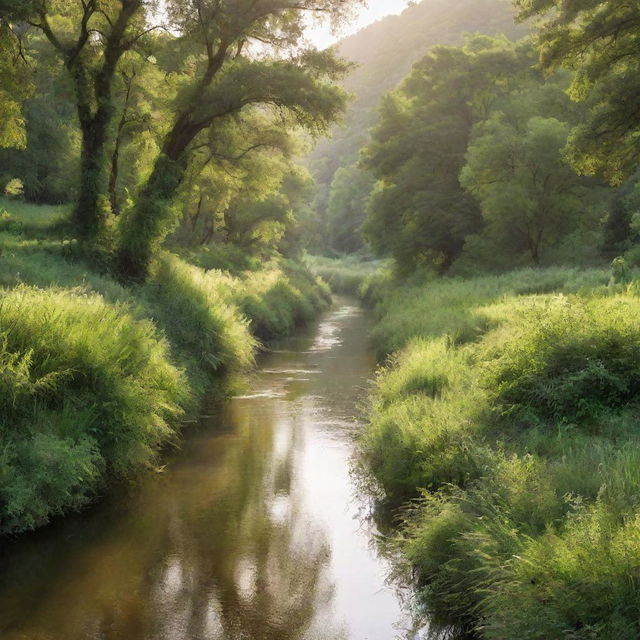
x=427, y=307
x=96, y=377
x=508, y=419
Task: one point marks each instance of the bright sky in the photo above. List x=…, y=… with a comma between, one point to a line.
x=322, y=37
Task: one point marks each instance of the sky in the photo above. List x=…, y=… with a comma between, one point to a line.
x=322, y=37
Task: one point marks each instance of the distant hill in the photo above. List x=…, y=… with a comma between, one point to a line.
x=385, y=52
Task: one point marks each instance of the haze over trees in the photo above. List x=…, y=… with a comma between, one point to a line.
x=482, y=157
x=384, y=53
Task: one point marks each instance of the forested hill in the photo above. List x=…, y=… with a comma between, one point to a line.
x=384, y=52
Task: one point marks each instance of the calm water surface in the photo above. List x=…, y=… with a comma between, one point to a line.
x=253, y=531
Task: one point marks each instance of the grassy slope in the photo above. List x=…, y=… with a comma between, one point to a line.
x=95, y=377
x=508, y=413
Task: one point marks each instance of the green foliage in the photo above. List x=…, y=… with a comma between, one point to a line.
x=300, y=88
x=198, y=320
x=426, y=307
x=87, y=390
x=346, y=210
x=384, y=53
x=567, y=361
x=345, y=275
x=529, y=197
x=15, y=87
x=419, y=213
x=49, y=164
x=419, y=422
x=520, y=442
x=14, y=188
x=597, y=40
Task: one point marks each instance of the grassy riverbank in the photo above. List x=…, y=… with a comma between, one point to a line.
x=505, y=429
x=96, y=377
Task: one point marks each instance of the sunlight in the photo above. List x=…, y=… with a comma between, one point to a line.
x=322, y=35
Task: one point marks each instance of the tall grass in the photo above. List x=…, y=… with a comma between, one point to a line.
x=508, y=418
x=426, y=307
x=87, y=391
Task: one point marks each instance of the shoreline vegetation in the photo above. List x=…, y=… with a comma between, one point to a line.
x=98, y=377
x=503, y=432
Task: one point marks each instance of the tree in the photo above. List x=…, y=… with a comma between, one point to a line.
x=599, y=40
x=242, y=186
x=90, y=36
x=529, y=196
x=418, y=212
x=13, y=88
x=228, y=79
x=346, y=211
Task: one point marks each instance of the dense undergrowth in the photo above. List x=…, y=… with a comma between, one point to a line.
x=95, y=377
x=504, y=429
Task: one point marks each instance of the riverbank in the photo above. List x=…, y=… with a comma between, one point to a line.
x=97, y=376
x=504, y=431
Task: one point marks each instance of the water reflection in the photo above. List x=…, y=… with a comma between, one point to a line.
x=252, y=532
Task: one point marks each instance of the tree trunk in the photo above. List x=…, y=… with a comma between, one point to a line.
x=149, y=222
x=115, y=156
x=113, y=179
x=146, y=226
x=92, y=212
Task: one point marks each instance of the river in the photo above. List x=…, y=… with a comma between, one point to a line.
x=254, y=529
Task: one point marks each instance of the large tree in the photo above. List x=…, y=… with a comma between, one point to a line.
x=244, y=53
x=418, y=212
x=90, y=36
x=346, y=210
x=601, y=42
x=529, y=196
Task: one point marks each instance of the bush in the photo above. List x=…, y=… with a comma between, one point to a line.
x=425, y=308
x=14, y=188
x=419, y=425
x=344, y=275
x=208, y=335
x=580, y=583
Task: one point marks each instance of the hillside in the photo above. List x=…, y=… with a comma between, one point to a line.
x=384, y=53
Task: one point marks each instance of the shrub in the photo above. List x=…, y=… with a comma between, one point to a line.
x=514, y=417
x=581, y=583
x=207, y=333
x=419, y=425
x=344, y=275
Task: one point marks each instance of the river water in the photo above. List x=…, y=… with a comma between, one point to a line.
x=254, y=530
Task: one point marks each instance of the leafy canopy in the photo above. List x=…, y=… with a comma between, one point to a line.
x=600, y=41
